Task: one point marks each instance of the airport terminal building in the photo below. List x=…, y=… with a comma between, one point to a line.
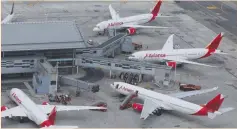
x=23, y=44
x=45, y=50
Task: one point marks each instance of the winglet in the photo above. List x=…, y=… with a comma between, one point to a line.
x=12, y=11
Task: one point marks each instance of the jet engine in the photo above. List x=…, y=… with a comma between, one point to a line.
x=45, y=103
x=3, y=108
x=137, y=106
x=131, y=31
x=171, y=64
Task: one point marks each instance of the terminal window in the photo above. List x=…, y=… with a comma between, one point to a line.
x=53, y=83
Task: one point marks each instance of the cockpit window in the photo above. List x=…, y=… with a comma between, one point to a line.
x=117, y=86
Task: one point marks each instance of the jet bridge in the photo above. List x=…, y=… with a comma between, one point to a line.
x=106, y=48
x=121, y=65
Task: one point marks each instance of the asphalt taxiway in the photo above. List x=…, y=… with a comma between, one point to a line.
x=189, y=33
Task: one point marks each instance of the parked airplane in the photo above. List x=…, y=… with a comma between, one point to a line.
x=9, y=17
x=130, y=23
x=156, y=103
x=43, y=115
x=172, y=56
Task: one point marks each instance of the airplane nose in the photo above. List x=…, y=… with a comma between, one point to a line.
x=130, y=58
x=112, y=86
x=95, y=29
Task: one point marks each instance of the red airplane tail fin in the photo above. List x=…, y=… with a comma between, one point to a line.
x=215, y=42
x=214, y=104
x=156, y=9
x=52, y=115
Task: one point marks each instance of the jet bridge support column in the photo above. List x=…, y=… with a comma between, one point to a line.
x=77, y=69
x=110, y=73
x=140, y=77
x=46, y=79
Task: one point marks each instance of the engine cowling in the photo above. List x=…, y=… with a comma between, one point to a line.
x=137, y=106
x=3, y=108
x=45, y=103
x=131, y=31
x=171, y=64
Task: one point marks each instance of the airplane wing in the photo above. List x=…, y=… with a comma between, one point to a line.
x=48, y=108
x=182, y=60
x=148, y=27
x=14, y=112
x=150, y=106
x=191, y=93
x=113, y=13
x=169, y=45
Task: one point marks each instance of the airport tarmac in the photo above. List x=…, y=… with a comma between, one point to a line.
x=188, y=33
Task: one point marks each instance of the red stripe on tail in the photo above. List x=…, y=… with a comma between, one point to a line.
x=215, y=103
x=212, y=106
x=52, y=115
x=213, y=45
x=215, y=42
x=156, y=10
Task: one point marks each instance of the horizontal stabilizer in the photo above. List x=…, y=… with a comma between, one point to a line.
x=220, y=52
x=161, y=15
x=219, y=112
x=211, y=115
x=224, y=110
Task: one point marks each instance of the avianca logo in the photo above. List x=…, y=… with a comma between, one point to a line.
x=115, y=24
x=155, y=55
x=17, y=99
x=126, y=89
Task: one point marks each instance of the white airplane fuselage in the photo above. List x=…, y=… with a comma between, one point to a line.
x=116, y=24
x=159, y=55
x=33, y=112
x=175, y=103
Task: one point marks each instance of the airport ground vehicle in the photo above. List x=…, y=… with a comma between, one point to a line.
x=64, y=99
x=189, y=87
x=137, y=46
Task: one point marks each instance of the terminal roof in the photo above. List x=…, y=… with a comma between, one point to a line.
x=41, y=36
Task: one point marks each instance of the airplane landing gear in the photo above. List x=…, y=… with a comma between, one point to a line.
x=23, y=119
x=157, y=112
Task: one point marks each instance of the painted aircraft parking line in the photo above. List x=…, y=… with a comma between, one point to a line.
x=156, y=103
x=43, y=115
